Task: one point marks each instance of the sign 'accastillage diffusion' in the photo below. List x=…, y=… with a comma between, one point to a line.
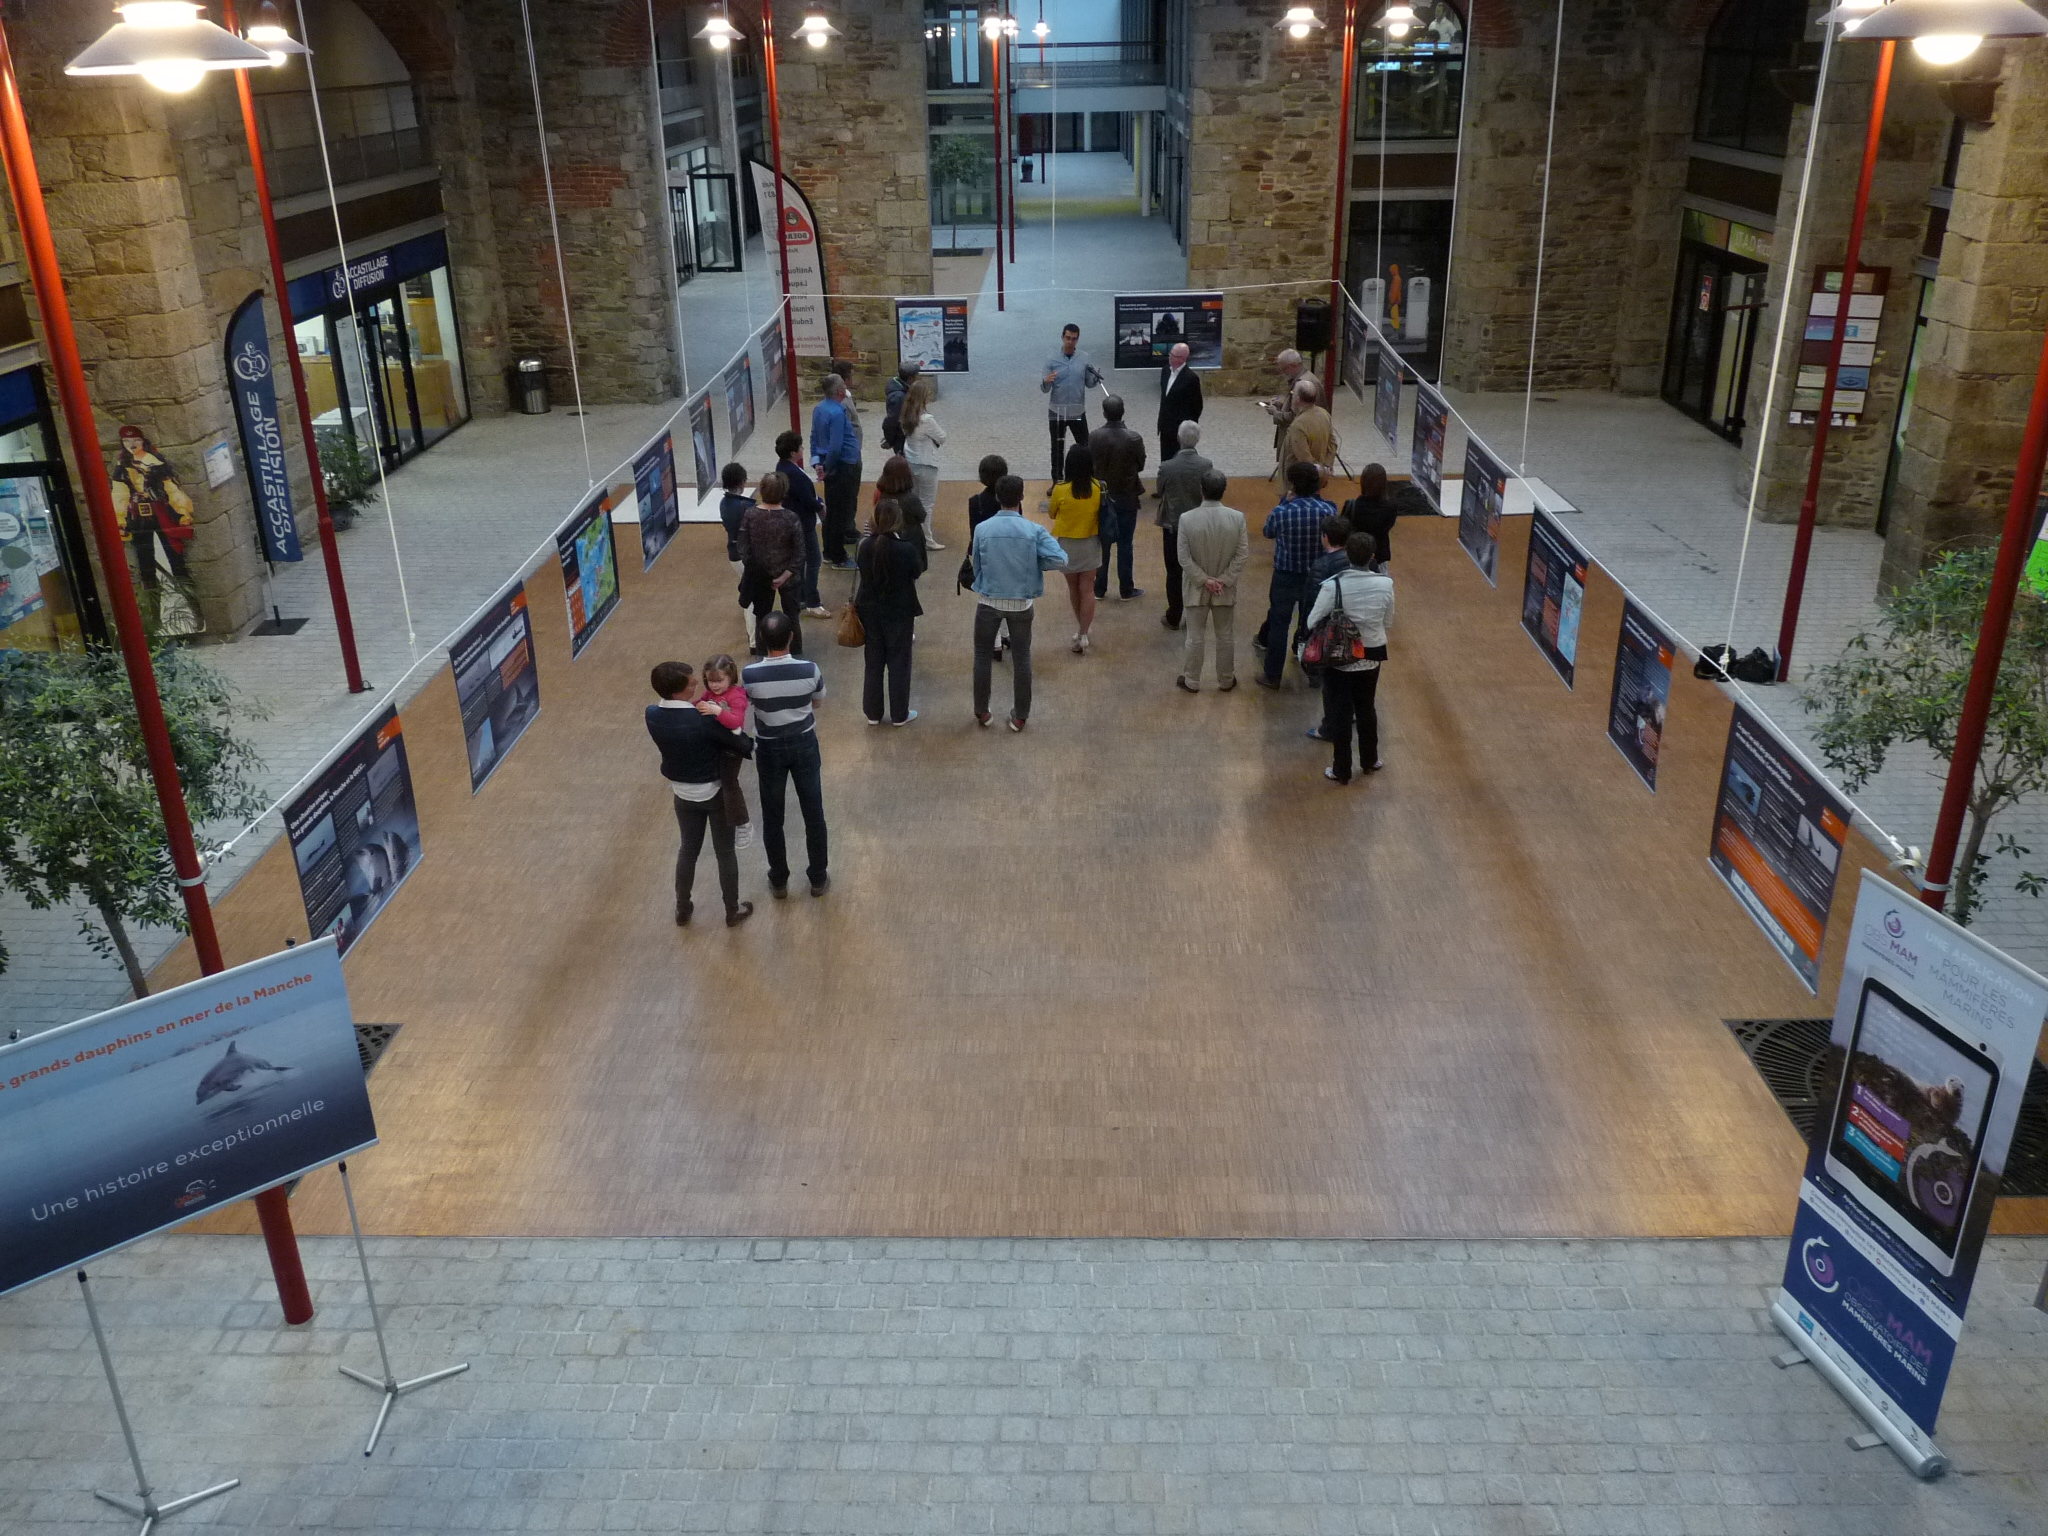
x=255, y=396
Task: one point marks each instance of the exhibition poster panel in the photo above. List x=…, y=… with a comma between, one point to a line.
x=738, y=383
x=703, y=446
x=1934, y=1035
x=1642, y=691
x=931, y=335
x=1553, y=590
x=590, y=568
x=143, y=1117
x=1356, y=355
x=1149, y=325
x=809, y=317
x=775, y=359
x=355, y=833
x=1426, y=450
x=654, y=488
x=495, y=682
x=1479, y=508
x=1778, y=836
x=1386, y=400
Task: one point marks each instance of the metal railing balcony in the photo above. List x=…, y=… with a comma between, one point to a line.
x=1037, y=65
x=372, y=131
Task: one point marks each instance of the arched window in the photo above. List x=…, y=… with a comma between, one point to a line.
x=1412, y=87
x=1739, y=107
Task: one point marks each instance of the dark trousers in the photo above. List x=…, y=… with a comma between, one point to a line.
x=814, y=561
x=692, y=817
x=1169, y=444
x=988, y=623
x=842, y=499
x=888, y=652
x=765, y=598
x=1169, y=544
x=1348, y=697
x=1060, y=429
x=1291, y=594
x=782, y=761
x=1126, y=556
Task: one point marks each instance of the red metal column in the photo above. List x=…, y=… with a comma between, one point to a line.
x=1802, y=546
x=62, y=341
x=330, y=554
x=781, y=231
x=1341, y=220
x=995, y=53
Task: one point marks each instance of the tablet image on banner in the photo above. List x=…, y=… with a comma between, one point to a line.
x=931, y=335
x=138, y=1119
x=654, y=488
x=1150, y=325
x=1386, y=400
x=1933, y=1038
x=809, y=315
x=738, y=384
x=590, y=568
x=495, y=682
x=355, y=833
x=1426, y=448
x=1778, y=836
x=775, y=362
x=703, y=446
x=1553, y=591
x=1642, y=691
x=1479, y=510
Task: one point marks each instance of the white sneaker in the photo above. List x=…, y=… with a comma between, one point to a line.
x=906, y=719
x=743, y=835
x=1079, y=645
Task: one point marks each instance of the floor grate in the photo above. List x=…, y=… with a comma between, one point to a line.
x=1790, y=1055
x=372, y=1041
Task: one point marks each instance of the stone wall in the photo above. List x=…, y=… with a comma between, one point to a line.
x=1262, y=177
x=1982, y=343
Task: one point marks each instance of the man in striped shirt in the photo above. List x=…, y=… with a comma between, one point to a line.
x=782, y=688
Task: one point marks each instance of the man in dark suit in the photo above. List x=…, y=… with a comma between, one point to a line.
x=1180, y=399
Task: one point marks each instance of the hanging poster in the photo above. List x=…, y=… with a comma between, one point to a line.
x=654, y=489
x=355, y=833
x=1934, y=1036
x=1479, y=508
x=590, y=568
x=1150, y=325
x=158, y=1111
x=1642, y=691
x=809, y=316
x=738, y=383
x=1386, y=399
x=931, y=335
x=155, y=514
x=1553, y=591
x=255, y=396
x=1426, y=448
x=1357, y=353
x=703, y=447
x=774, y=363
x=1778, y=836
x=495, y=682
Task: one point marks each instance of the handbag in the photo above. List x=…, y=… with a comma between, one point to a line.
x=852, y=633
x=1336, y=641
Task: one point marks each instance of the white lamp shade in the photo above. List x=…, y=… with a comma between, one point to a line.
x=160, y=36
x=1905, y=19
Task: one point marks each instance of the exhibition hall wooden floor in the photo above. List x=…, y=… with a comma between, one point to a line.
x=1139, y=971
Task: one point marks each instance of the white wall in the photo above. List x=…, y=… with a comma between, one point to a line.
x=1072, y=21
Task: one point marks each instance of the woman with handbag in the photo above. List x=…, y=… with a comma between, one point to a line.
x=888, y=608
x=1347, y=640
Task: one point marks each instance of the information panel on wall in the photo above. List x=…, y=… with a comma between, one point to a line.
x=355, y=833
x=931, y=335
x=1778, y=838
x=1643, y=660
x=809, y=316
x=158, y=1111
x=1386, y=400
x=1150, y=325
x=1484, y=494
x=1426, y=447
x=738, y=383
x=703, y=446
x=1933, y=1039
x=1553, y=591
x=590, y=568
x=654, y=489
x=495, y=682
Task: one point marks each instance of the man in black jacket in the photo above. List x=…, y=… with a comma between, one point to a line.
x=1180, y=399
x=692, y=744
x=1119, y=455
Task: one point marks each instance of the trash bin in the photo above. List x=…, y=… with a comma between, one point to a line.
x=530, y=386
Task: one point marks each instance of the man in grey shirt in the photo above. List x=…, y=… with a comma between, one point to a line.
x=1069, y=375
x=1180, y=490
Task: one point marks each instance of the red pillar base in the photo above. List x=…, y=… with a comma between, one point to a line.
x=274, y=1210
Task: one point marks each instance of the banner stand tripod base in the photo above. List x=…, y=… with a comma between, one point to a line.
x=393, y=1391
x=1925, y=1464
x=150, y=1511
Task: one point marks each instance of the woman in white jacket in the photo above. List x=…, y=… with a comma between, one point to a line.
x=1367, y=597
x=922, y=439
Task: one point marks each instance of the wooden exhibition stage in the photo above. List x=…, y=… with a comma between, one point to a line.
x=1139, y=971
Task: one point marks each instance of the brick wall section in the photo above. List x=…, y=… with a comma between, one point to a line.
x=1982, y=343
x=1262, y=178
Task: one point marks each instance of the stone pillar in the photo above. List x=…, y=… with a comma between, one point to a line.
x=1982, y=342
x=1262, y=177
x=854, y=138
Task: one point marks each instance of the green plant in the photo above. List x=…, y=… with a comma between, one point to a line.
x=350, y=474
x=1906, y=683
x=78, y=812
x=960, y=159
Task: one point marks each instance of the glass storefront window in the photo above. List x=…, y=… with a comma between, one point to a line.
x=415, y=392
x=42, y=606
x=1413, y=88
x=436, y=359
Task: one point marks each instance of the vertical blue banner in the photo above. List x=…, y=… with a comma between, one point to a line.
x=255, y=396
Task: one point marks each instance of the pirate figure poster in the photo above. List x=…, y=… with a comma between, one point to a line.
x=156, y=514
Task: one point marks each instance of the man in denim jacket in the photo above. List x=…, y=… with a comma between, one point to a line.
x=1011, y=555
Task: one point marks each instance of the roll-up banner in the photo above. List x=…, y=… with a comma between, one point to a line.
x=1426, y=448
x=495, y=682
x=654, y=491
x=1643, y=660
x=355, y=833
x=931, y=335
x=1933, y=1039
x=1778, y=836
x=1150, y=325
x=590, y=568
x=703, y=446
x=737, y=382
x=809, y=316
x=1484, y=494
x=255, y=395
x=1386, y=398
x=1553, y=591
x=158, y=1111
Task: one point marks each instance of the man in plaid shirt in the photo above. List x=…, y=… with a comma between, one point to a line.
x=1295, y=527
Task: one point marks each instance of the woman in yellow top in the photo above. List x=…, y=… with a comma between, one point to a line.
x=1076, y=507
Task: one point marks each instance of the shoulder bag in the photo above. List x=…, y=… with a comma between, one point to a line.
x=1336, y=641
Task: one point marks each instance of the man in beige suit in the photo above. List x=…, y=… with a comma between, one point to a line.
x=1214, y=544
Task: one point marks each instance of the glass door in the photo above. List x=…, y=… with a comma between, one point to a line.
x=715, y=195
x=1714, y=315
x=47, y=597
x=683, y=221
